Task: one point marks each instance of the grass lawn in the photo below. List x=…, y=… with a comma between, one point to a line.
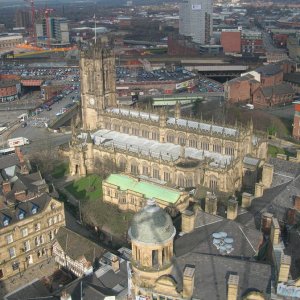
x=86, y=188
x=95, y=212
x=273, y=151
x=60, y=170
x=107, y=217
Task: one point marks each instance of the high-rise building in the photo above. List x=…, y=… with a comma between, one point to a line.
x=23, y=18
x=195, y=20
x=57, y=28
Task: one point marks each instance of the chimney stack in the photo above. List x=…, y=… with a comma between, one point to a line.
x=21, y=195
x=115, y=263
x=6, y=187
x=188, y=281
x=246, y=200
x=267, y=175
x=232, y=208
x=232, y=287
x=266, y=222
x=65, y=296
x=284, y=269
x=211, y=203
x=19, y=154
x=275, y=232
x=187, y=221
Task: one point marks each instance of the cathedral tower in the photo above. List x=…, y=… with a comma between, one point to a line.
x=98, y=84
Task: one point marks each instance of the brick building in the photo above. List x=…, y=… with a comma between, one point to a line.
x=231, y=40
x=296, y=128
x=9, y=90
x=252, y=42
x=261, y=87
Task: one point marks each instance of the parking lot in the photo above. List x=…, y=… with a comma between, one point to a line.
x=208, y=85
x=128, y=75
x=70, y=74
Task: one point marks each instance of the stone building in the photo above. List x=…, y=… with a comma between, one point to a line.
x=27, y=232
x=195, y=266
x=130, y=193
x=180, y=151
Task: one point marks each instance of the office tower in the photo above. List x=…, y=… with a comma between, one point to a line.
x=195, y=20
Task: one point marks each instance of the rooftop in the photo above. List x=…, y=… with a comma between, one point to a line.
x=245, y=243
x=166, y=151
x=201, y=126
x=280, y=89
x=149, y=190
x=151, y=225
x=277, y=199
x=29, y=208
x=69, y=241
x=269, y=70
x=214, y=271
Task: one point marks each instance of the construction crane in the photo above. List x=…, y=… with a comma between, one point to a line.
x=32, y=29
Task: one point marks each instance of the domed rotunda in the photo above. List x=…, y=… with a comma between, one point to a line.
x=151, y=233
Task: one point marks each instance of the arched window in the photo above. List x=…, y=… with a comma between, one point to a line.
x=181, y=181
x=229, y=150
x=193, y=143
x=155, y=172
x=122, y=163
x=213, y=182
x=134, y=167
x=116, y=127
x=155, y=135
x=167, y=175
x=204, y=145
x=125, y=128
x=145, y=169
x=170, y=138
x=145, y=133
x=189, y=181
x=181, y=140
x=217, y=147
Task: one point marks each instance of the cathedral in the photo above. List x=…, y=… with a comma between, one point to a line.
x=167, y=149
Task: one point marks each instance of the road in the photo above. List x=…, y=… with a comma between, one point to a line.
x=268, y=44
x=40, y=137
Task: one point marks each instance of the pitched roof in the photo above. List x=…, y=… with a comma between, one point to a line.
x=69, y=241
x=278, y=90
x=12, y=213
x=212, y=273
x=292, y=77
x=269, y=70
x=246, y=241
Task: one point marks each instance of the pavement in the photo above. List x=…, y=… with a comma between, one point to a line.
x=43, y=269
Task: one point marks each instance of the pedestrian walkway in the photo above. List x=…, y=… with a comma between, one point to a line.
x=43, y=269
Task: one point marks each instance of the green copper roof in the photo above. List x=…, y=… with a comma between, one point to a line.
x=149, y=190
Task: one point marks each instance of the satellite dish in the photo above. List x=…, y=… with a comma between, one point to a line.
x=222, y=248
x=228, y=247
x=216, y=241
x=223, y=234
x=228, y=240
x=216, y=235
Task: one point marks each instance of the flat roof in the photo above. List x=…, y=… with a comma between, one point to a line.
x=149, y=190
x=10, y=37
